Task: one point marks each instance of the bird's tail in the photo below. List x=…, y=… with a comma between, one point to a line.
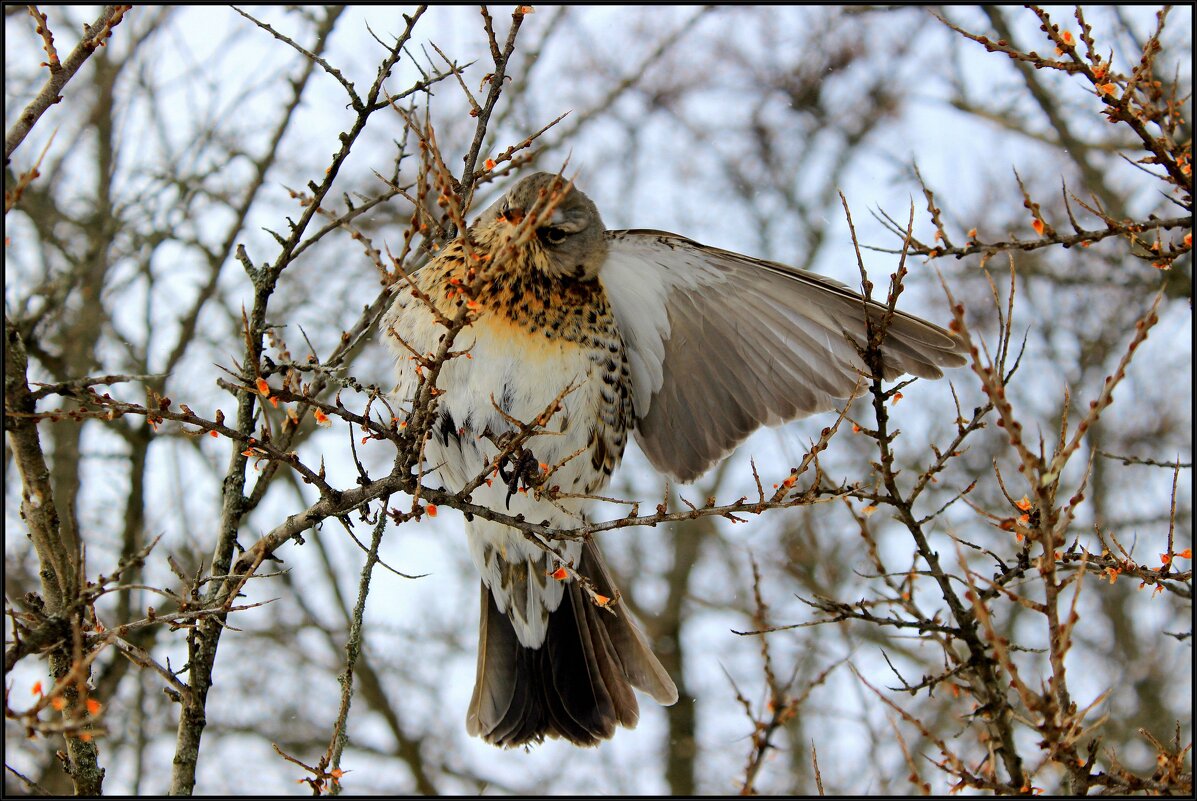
x=578, y=684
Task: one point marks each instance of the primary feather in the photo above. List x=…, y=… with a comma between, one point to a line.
x=720, y=344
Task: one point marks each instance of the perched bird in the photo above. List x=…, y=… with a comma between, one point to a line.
x=690, y=347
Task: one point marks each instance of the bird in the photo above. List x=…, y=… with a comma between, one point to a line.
x=643, y=333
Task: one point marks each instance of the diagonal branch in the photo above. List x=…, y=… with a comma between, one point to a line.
x=93, y=37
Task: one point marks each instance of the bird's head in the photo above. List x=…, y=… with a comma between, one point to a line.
x=552, y=225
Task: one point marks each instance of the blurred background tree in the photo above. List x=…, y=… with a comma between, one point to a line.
x=193, y=132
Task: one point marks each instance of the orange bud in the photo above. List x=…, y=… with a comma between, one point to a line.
x=1165, y=558
x=1107, y=88
x=1037, y=224
x=37, y=688
x=58, y=702
x=1187, y=553
x=1023, y=504
x=93, y=706
x=321, y=418
x=214, y=433
x=897, y=397
x=431, y=509
x=601, y=600
x=868, y=510
x=263, y=388
x=489, y=164
x=561, y=574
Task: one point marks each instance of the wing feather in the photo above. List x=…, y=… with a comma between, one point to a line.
x=720, y=344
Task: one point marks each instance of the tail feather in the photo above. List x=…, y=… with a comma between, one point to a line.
x=500, y=707
x=578, y=685
x=632, y=651
x=607, y=661
x=579, y=703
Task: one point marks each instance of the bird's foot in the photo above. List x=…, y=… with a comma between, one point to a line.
x=519, y=467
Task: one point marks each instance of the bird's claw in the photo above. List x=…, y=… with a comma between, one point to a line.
x=517, y=467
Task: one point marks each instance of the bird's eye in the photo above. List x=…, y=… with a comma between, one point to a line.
x=554, y=236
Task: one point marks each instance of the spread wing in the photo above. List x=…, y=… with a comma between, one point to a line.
x=720, y=344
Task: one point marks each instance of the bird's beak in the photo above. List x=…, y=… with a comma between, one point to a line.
x=514, y=216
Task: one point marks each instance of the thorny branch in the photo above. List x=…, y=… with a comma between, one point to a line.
x=1038, y=569
x=94, y=36
x=1139, y=100
x=205, y=638
x=978, y=656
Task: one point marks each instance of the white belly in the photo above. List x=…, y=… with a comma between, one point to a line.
x=523, y=375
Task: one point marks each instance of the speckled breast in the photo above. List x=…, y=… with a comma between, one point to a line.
x=531, y=338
